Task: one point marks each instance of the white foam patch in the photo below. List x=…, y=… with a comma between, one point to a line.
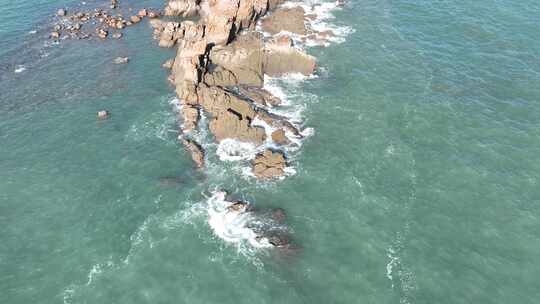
x=20, y=69
x=323, y=22
x=232, y=226
x=234, y=150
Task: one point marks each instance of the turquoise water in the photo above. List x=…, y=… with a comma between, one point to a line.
x=419, y=184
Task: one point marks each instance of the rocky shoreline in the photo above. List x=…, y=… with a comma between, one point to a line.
x=224, y=50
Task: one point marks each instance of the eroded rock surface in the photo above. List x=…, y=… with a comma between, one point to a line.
x=285, y=19
x=220, y=67
x=197, y=152
x=269, y=164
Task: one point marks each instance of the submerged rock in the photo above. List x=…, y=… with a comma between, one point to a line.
x=279, y=215
x=61, y=12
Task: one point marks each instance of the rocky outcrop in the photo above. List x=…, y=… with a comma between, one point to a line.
x=184, y=8
x=259, y=96
x=286, y=20
x=280, y=58
x=243, y=58
x=220, y=65
x=189, y=117
x=197, y=152
x=269, y=164
x=279, y=137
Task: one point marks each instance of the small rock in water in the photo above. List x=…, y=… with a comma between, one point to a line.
x=153, y=14
x=103, y=114
x=61, y=12
x=102, y=33
x=55, y=35
x=121, y=60
x=135, y=19
x=143, y=13
x=117, y=35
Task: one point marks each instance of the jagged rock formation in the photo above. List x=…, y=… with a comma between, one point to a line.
x=220, y=66
x=197, y=153
x=285, y=19
x=269, y=164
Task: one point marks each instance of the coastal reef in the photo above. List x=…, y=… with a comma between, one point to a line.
x=101, y=23
x=225, y=49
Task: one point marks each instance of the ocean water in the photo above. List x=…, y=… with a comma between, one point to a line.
x=418, y=183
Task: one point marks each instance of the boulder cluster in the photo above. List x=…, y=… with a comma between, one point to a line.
x=220, y=65
x=98, y=23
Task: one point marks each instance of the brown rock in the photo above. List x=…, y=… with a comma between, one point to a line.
x=170, y=33
x=243, y=57
x=285, y=19
x=190, y=117
x=269, y=164
x=55, y=35
x=120, y=24
x=279, y=60
x=197, y=152
x=279, y=137
x=218, y=29
x=220, y=77
x=135, y=19
x=142, y=13
x=231, y=125
x=259, y=96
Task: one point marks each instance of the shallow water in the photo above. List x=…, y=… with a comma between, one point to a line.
x=419, y=183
